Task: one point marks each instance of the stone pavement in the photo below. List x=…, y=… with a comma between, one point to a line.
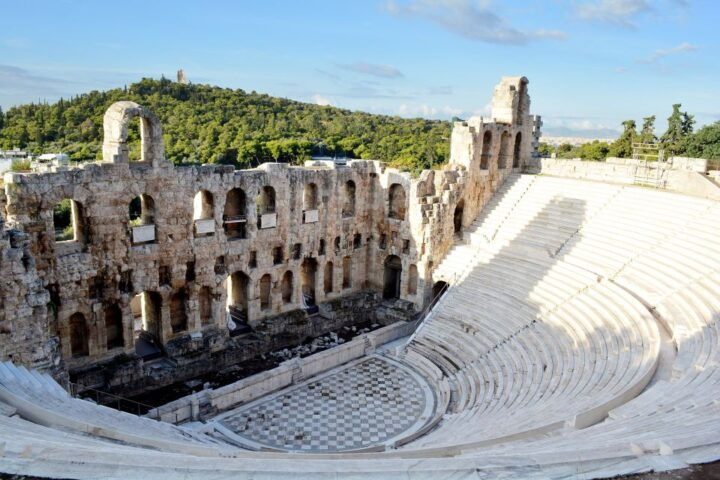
x=370, y=402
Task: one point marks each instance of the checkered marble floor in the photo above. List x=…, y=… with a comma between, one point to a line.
x=358, y=406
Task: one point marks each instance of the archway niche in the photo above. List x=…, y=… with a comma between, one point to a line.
x=517, y=150
x=392, y=277
x=147, y=310
x=265, y=290
x=486, y=150
x=396, y=201
x=234, y=214
x=205, y=306
x=438, y=290
x=308, y=273
x=69, y=221
x=310, y=203
x=114, y=327
x=412, y=280
x=286, y=287
x=142, y=219
x=265, y=204
x=79, y=335
x=328, y=277
x=347, y=272
x=504, y=150
x=203, y=213
x=348, y=208
x=237, y=295
x=178, y=312
x=458, y=218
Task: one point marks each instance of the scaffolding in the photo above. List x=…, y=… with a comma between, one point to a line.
x=650, y=164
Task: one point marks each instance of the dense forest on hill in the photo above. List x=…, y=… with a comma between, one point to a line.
x=208, y=124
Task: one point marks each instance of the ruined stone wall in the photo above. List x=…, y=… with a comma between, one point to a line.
x=189, y=251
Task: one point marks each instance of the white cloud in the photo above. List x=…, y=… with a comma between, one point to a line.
x=618, y=12
x=666, y=52
x=428, y=111
x=374, y=69
x=473, y=19
x=320, y=100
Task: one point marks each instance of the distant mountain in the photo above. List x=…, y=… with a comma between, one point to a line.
x=208, y=124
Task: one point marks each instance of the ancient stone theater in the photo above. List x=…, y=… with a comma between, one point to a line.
x=505, y=316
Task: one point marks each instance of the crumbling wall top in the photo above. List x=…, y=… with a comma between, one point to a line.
x=115, y=126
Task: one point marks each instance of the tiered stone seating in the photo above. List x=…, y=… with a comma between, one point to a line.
x=542, y=356
x=37, y=397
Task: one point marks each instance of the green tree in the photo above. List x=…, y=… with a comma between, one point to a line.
x=705, y=143
x=622, y=147
x=680, y=125
x=647, y=134
x=545, y=149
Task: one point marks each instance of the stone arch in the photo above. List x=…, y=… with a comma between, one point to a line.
x=396, y=201
x=237, y=286
x=203, y=205
x=265, y=285
x=412, y=280
x=504, y=150
x=348, y=208
x=486, y=150
x=328, y=277
x=115, y=128
x=438, y=290
x=286, y=287
x=205, y=305
x=79, y=335
x=69, y=221
x=178, y=312
x=266, y=200
x=142, y=210
x=235, y=214
x=114, y=327
x=517, y=150
x=308, y=273
x=310, y=197
x=458, y=217
x=347, y=272
x=392, y=277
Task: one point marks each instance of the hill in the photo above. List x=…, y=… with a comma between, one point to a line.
x=209, y=124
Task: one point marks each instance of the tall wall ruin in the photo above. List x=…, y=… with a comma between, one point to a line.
x=171, y=247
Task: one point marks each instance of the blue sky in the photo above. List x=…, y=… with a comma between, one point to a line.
x=591, y=63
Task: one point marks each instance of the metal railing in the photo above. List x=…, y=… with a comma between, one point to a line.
x=81, y=391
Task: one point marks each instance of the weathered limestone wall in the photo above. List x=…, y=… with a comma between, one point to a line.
x=184, y=268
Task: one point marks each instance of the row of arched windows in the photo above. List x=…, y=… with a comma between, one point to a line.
x=68, y=216
x=505, y=139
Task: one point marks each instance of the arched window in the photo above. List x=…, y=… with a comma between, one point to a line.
x=458, y=218
x=205, y=306
x=357, y=241
x=336, y=244
x=310, y=197
x=78, y=335
x=517, y=150
x=328, y=277
x=396, y=201
x=178, y=314
x=310, y=203
x=308, y=271
x=142, y=219
x=203, y=213
x=392, y=277
x=237, y=295
x=265, y=203
x=287, y=287
x=265, y=287
x=69, y=221
x=321, y=247
x=348, y=208
x=114, y=327
x=347, y=272
x=486, y=150
x=234, y=214
x=504, y=150
x=412, y=280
